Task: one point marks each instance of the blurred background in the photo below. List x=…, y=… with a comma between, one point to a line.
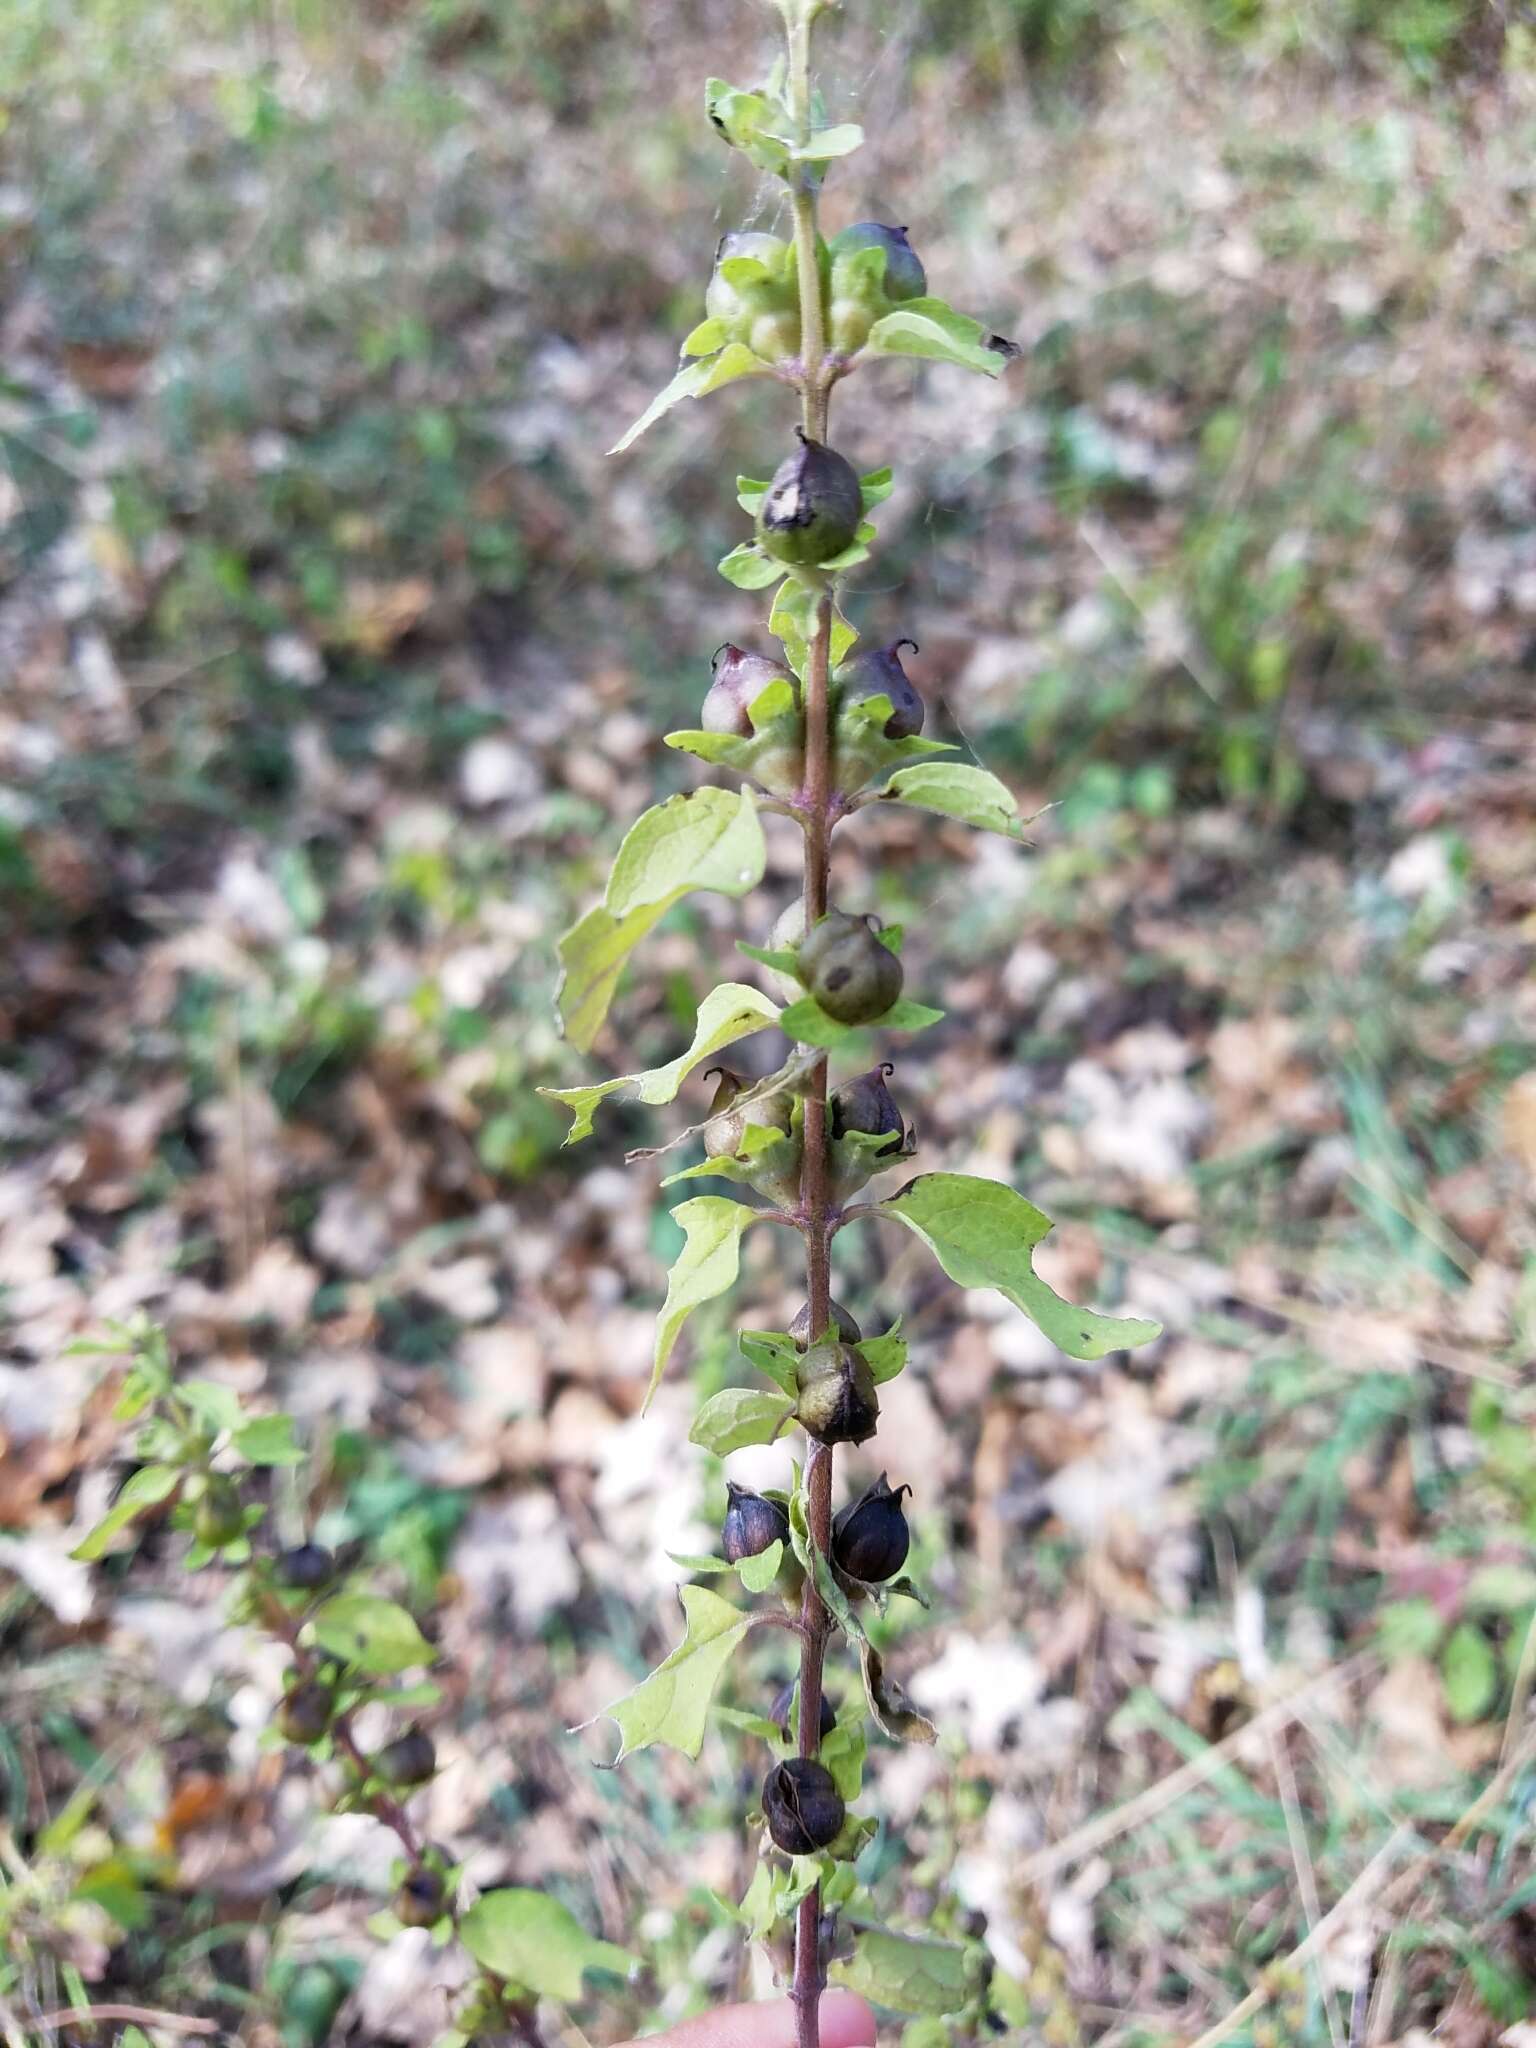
x=334, y=660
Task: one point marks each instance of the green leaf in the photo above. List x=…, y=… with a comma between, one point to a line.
x=377, y=1636
x=876, y=485
x=891, y=1710
x=955, y=790
x=808, y=1023
x=268, y=1440
x=815, y=1562
x=696, y=380
x=706, y=1266
x=1409, y=1628
x=982, y=1234
x=727, y=1013
x=672, y=1705
x=711, y=840
x=707, y=339
x=843, y=1753
x=827, y=143
x=748, y=121
x=531, y=1939
x=885, y=1356
x=782, y=960
x=739, y=1416
x=928, y=327
x=749, y=568
x=1470, y=1672
x=147, y=1487
x=750, y=493
x=912, y=1973
x=212, y=1403
x=773, y=1352
x=793, y=620
x=1507, y=1588
x=758, y=1573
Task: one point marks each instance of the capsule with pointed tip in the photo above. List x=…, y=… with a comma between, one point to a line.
x=752, y=1524
x=904, y=277
x=419, y=1901
x=864, y=1103
x=870, y=1538
x=306, y=1567
x=811, y=510
x=409, y=1760
x=740, y=678
x=844, y=965
x=802, y=1806
x=847, y=1330
x=877, y=672
x=761, y=311
x=837, y=1400
x=305, y=1712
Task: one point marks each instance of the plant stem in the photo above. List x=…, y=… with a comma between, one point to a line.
x=816, y=818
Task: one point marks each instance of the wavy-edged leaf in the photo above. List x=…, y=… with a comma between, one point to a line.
x=706, y=1266
x=738, y=1416
x=530, y=1939
x=728, y=1013
x=696, y=380
x=931, y=328
x=956, y=790
x=983, y=1234
x=671, y=1706
x=711, y=839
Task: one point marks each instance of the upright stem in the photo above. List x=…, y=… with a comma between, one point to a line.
x=814, y=1191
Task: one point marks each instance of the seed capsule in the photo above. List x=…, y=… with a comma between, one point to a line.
x=846, y=968
x=739, y=680
x=838, y=1403
x=306, y=1711
x=866, y=1104
x=419, y=1901
x=306, y=1567
x=802, y=1806
x=811, y=510
x=779, y=1713
x=762, y=309
x=726, y=1130
x=870, y=1539
x=409, y=1760
x=846, y=1328
x=218, y=1518
x=752, y=1524
x=877, y=672
x=905, y=277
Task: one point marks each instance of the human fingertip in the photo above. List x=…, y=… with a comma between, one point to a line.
x=846, y=2021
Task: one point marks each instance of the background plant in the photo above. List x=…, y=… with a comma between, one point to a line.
x=350, y=1648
